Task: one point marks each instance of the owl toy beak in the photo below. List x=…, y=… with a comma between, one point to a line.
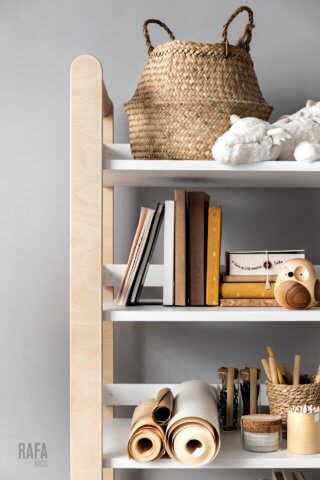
x=292, y=295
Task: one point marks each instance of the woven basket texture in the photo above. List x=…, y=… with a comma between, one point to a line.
x=187, y=93
x=281, y=397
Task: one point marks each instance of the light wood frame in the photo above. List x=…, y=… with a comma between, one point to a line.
x=91, y=205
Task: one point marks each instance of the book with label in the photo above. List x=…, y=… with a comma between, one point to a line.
x=246, y=290
x=135, y=256
x=198, y=203
x=168, y=254
x=180, y=253
x=265, y=262
x=213, y=255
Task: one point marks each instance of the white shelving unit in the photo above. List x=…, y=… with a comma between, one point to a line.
x=96, y=163
x=231, y=455
x=159, y=313
x=120, y=169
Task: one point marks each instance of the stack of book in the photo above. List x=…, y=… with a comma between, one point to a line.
x=250, y=277
x=192, y=244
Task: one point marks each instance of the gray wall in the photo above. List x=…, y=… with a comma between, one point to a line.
x=38, y=40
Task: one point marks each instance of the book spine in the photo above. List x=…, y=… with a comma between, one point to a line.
x=246, y=290
x=248, y=278
x=180, y=267
x=248, y=302
x=213, y=255
x=197, y=233
x=168, y=255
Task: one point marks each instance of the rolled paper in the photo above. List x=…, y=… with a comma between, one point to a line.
x=253, y=390
x=273, y=369
x=230, y=395
x=296, y=369
x=280, y=376
x=192, y=436
x=162, y=411
x=146, y=440
x=288, y=374
x=266, y=368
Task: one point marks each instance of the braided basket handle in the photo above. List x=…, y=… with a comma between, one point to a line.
x=245, y=40
x=147, y=36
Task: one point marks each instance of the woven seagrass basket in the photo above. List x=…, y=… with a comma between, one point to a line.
x=281, y=397
x=187, y=93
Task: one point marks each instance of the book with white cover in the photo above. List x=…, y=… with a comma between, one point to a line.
x=259, y=262
x=168, y=254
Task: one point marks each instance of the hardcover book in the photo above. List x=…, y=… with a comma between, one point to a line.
x=246, y=290
x=180, y=253
x=168, y=277
x=213, y=255
x=198, y=203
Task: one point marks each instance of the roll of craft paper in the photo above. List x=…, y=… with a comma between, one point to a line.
x=192, y=436
x=146, y=441
x=304, y=433
x=162, y=411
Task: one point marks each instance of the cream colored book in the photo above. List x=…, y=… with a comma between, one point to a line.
x=138, y=245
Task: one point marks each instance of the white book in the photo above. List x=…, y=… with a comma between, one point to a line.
x=168, y=253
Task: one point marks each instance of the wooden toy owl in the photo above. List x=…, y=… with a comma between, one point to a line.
x=297, y=286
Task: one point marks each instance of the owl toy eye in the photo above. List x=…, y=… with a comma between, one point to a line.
x=301, y=274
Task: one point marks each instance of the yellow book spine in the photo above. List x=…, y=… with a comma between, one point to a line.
x=246, y=290
x=213, y=255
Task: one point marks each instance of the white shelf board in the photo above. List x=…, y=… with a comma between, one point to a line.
x=231, y=455
x=125, y=394
x=121, y=169
x=159, y=313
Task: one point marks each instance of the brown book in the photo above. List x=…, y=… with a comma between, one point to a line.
x=248, y=278
x=180, y=257
x=198, y=203
x=248, y=302
x=246, y=290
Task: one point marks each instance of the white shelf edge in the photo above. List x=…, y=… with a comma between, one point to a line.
x=160, y=313
x=121, y=169
x=231, y=455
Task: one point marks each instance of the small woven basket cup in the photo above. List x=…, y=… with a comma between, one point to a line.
x=282, y=397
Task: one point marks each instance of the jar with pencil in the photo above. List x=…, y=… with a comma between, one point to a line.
x=286, y=389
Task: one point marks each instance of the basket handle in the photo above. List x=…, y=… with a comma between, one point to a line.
x=147, y=36
x=245, y=40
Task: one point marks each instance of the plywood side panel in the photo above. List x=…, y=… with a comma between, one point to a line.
x=86, y=259
x=108, y=256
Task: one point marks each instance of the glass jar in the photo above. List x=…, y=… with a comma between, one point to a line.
x=228, y=402
x=250, y=389
x=261, y=433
